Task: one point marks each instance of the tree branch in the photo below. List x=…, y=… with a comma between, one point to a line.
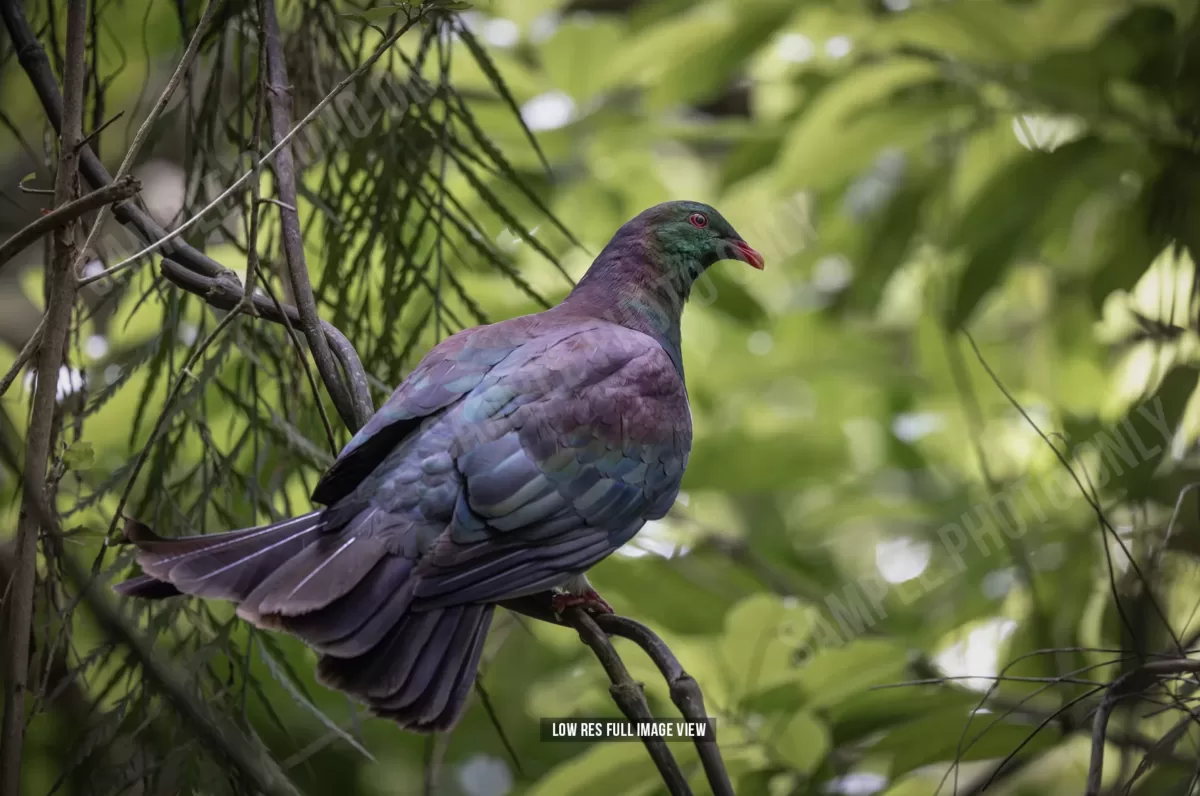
x=115, y=192
x=26, y=354
x=279, y=106
x=60, y=302
x=629, y=696
x=139, y=138
x=33, y=60
x=184, y=265
x=685, y=691
x=1127, y=684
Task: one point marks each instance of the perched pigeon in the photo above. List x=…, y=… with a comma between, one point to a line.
x=513, y=458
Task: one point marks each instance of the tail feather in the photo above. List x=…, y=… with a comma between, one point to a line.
x=422, y=676
x=224, y=565
x=445, y=703
x=346, y=594
x=313, y=578
x=359, y=619
x=441, y=656
x=147, y=587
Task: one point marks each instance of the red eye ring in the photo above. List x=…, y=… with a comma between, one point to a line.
x=699, y=220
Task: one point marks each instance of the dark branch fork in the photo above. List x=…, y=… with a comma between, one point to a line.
x=61, y=216
x=594, y=630
x=218, y=286
x=1129, y=684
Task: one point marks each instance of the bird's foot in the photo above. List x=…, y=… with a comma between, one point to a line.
x=589, y=601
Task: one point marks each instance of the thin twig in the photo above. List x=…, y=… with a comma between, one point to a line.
x=436, y=746
x=87, y=139
x=26, y=354
x=60, y=216
x=171, y=236
x=60, y=302
x=183, y=265
x=143, y=132
x=1105, y=525
x=1119, y=688
x=973, y=414
x=279, y=107
x=184, y=376
x=685, y=691
x=33, y=60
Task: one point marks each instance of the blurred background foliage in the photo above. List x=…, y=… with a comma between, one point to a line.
x=979, y=218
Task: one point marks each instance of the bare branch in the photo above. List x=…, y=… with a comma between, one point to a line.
x=33, y=60
x=629, y=696
x=27, y=352
x=279, y=105
x=60, y=302
x=184, y=265
x=60, y=216
x=684, y=690
x=143, y=132
x=1131, y=682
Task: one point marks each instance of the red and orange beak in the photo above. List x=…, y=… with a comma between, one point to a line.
x=742, y=251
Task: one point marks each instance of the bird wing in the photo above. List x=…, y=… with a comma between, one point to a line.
x=450, y=371
x=599, y=448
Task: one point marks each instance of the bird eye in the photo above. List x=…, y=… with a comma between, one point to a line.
x=699, y=220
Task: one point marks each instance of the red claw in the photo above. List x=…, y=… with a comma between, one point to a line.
x=589, y=601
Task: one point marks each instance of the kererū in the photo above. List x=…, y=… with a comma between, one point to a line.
x=510, y=460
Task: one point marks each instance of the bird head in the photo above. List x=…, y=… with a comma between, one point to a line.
x=693, y=236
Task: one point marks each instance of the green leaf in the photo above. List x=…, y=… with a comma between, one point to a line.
x=758, y=647
x=79, y=456
x=998, y=32
x=939, y=737
x=1127, y=248
x=732, y=459
x=799, y=740
x=578, y=57
x=603, y=770
x=1140, y=431
x=868, y=712
x=888, y=241
x=834, y=675
x=750, y=156
x=1006, y=218
x=377, y=13
x=698, y=68
x=688, y=57
x=850, y=122
x=488, y=66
